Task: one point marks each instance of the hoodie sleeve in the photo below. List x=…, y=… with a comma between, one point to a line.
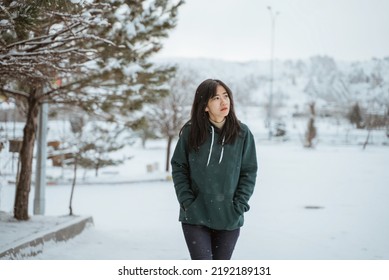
x=248, y=174
x=180, y=171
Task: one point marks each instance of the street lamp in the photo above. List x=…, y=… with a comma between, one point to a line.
x=273, y=17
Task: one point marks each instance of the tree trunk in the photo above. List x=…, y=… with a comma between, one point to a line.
x=169, y=143
x=73, y=185
x=311, y=129
x=367, y=139
x=26, y=155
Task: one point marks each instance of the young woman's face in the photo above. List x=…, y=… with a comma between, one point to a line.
x=218, y=106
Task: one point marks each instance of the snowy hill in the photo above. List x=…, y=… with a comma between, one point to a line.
x=333, y=86
x=328, y=83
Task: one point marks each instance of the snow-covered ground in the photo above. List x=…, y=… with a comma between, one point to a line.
x=331, y=202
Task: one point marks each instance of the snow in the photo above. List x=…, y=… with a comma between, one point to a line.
x=35, y=229
x=4, y=22
x=330, y=202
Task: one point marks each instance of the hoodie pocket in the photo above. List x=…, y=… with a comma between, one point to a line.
x=192, y=212
x=190, y=203
x=214, y=211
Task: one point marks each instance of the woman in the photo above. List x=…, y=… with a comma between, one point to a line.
x=214, y=169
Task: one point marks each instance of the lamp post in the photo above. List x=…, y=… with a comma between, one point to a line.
x=40, y=180
x=273, y=17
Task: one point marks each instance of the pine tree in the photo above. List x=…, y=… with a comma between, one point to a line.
x=59, y=52
x=39, y=41
x=355, y=116
x=123, y=73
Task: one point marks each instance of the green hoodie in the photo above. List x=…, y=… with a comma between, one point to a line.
x=213, y=185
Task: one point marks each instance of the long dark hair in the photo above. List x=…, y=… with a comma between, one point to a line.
x=200, y=119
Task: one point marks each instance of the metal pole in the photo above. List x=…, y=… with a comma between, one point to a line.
x=270, y=109
x=40, y=180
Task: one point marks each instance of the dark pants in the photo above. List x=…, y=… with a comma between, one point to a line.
x=209, y=244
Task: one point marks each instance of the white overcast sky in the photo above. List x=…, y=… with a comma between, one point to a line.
x=240, y=30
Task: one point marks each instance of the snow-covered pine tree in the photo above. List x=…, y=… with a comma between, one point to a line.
x=40, y=40
x=95, y=142
x=123, y=74
x=59, y=51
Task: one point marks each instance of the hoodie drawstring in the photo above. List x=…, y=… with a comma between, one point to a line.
x=210, y=149
x=221, y=154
